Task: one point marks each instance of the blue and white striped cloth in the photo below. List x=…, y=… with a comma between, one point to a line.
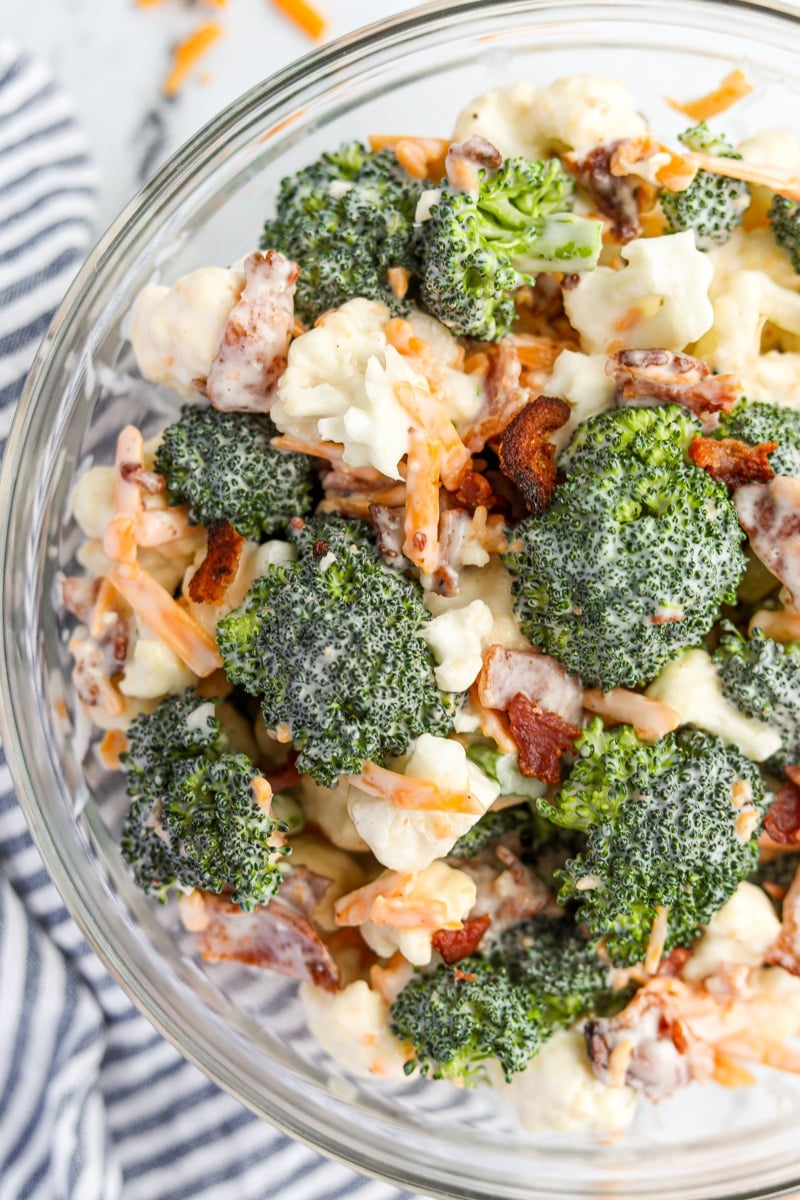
x=94, y=1104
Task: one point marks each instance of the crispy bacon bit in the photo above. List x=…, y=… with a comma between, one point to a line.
x=770, y=515
x=273, y=936
x=664, y=377
x=786, y=951
x=782, y=822
x=303, y=889
x=672, y=965
x=455, y=944
x=465, y=159
x=148, y=480
x=389, y=534
x=462, y=538
x=614, y=196
x=79, y=596
x=527, y=455
x=252, y=356
x=538, y=677
x=503, y=396
x=286, y=776
x=474, y=491
x=504, y=895
x=217, y=571
x=541, y=737
x=732, y=462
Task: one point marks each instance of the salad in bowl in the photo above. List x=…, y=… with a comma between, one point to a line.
x=447, y=636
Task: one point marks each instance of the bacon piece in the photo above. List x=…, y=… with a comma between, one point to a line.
x=668, y=378
x=671, y=966
x=527, y=455
x=455, y=944
x=465, y=159
x=303, y=889
x=503, y=396
x=786, y=950
x=217, y=571
x=284, y=777
x=79, y=596
x=475, y=491
x=614, y=196
x=274, y=936
x=732, y=462
x=389, y=534
x=770, y=515
x=465, y=540
x=149, y=481
x=504, y=895
x=509, y=673
x=541, y=737
x=253, y=353
x=92, y=675
x=782, y=822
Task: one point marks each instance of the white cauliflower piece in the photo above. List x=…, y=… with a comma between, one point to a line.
x=692, y=686
x=750, y=250
x=152, y=669
x=491, y=584
x=576, y=113
x=352, y=1026
x=741, y=932
x=581, y=380
x=176, y=331
x=780, y=992
x=406, y=840
x=92, y=501
x=327, y=808
x=344, y=872
x=458, y=394
x=659, y=299
x=774, y=148
x=451, y=887
x=558, y=1091
x=458, y=639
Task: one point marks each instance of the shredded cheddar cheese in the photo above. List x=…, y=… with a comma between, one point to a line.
x=188, y=53
x=304, y=16
x=735, y=86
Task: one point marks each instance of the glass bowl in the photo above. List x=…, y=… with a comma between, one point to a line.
x=245, y=1029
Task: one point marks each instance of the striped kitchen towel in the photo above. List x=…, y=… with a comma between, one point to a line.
x=94, y=1104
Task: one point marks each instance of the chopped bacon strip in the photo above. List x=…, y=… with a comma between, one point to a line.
x=303, y=889
x=149, y=481
x=538, y=677
x=542, y=737
x=614, y=195
x=770, y=515
x=459, y=537
x=92, y=675
x=732, y=462
x=504, y=895
x=79, y=596
x=252, y=355
x=388, y=524
x=782, y=822
x=217, y=571
x=503, y=396
x=733, y=87
x=665, y=377
x=650, y=719
x=528, y=456
x=475, y=491
x=272, y=935
x=465, y=159
x=786, y=950
x=287, y=776
x=455, y=944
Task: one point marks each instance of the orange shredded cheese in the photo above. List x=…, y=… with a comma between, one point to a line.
x=399, y=279
x=780, y=626
x=730, y=1074
x=415, y=795
x=422, y=158
x=188, y=53
x=304, y=16
x=493, y=723
x=658, y=937
x=421, y=526
x=735, y=86
x=783, y=180
x=650, y=719
x=424, y=410
x=113, y=743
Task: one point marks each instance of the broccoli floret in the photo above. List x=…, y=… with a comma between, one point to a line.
x=634, y=557
x=223, y=466
x=345, y=219
x=712, y=205
x=784, y=221
x=662, y=829
x=194, y=820
x=504, y=1006
x=476, y=248
x=762, y=422
x=762, y=678
x=504, y=770
x=332, y=646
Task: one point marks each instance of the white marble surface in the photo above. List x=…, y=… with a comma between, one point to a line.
x=112, y=56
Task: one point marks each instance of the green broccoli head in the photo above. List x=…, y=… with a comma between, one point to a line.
x=712, y=206
x=345, y=219
x=194, y=820
x=762, y=678
x=637, y=552
x=672, y=824
x=784, y=221
x=477, y=248
x=223, y=466
x=332, y=646
x=762, y=422
x=539, y=976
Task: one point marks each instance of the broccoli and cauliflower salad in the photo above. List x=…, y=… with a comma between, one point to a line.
x=448, y=637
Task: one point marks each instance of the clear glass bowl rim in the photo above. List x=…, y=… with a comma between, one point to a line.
x=66, y=862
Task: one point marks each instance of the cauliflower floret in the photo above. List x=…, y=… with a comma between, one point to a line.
x=491, y=584
x=327, y=808
x=92, y=501
x=559, y=1093
x=750, y=250
x=176, y=331
x=459, y=394
x=575, y=113
x=254, y=562
x=352, y=1026
x=659, y=299
x=344, y=872
x=774, y=148
x=451, y=887
x=407, y=840
x=741, y=932
x=458, y=638
x=691, y=685
x=581, y=380
x=152, y=669
x=780, y=993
